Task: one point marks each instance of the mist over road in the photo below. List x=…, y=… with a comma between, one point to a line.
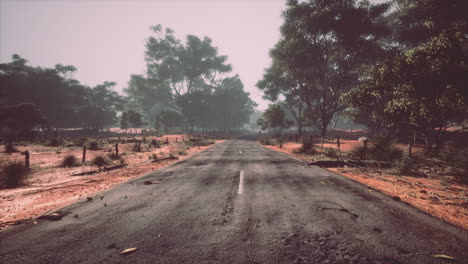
x=237, y=202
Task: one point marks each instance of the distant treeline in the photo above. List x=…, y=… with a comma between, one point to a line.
x=186, y=86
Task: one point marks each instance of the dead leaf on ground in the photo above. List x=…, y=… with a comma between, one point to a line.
x=128, y=251
x=443, y=257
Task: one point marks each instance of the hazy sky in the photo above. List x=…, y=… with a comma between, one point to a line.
x=105, y=39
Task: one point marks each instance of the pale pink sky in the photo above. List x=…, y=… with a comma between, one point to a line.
x=105, y=39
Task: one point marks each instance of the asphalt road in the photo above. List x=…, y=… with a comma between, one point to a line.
x=237, y=202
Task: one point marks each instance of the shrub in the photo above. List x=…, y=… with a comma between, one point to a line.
x=182, y=152
x=405, y=166
x=113, y=156
x=385, y=150
x=155, y=143
x=9, y=148
x=54, y=142
x=13, y=173
x=267, y=141
x=307, y=148
x=69, y=161
x=360, y=152
x=382, y=150
x=331, y=153
x=92, y=145
x=99, y=161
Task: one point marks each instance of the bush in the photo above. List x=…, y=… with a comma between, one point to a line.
x=13, y=173
x=360, y=152
x=99, y=161
x=385, y=150
x=405, y=166
x=382, y=150
x=331, y=153
x=267, y=141
x=54, y=142
x=69, y=161
x=92, y=145
x=155, y=143
x=9, y=148
x=113, y=156
x=307, y=148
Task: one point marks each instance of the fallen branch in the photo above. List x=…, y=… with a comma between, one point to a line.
x=166, y=158
x=99, y=170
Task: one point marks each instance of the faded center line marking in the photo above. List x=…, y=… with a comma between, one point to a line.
x=241, y=182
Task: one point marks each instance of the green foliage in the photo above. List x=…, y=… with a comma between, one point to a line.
x=187, y=85
x=307, y=148
x=13, y=174
x=322, y=46
x=384, y=149
x=99, y=161
x=331, y=153
x=69, y=161
x=266, y=141
x=60, y=99
x=420, y=84
x=405, y=166
x=131, y=118
x=273, y=117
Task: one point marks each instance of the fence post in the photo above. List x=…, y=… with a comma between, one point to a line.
x=117, y=150
x=410, y=149
x=84, y=155
x=139, y=146
x=26, y=159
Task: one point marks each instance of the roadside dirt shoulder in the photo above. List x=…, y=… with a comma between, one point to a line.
x=52, y=188
x=436, y=197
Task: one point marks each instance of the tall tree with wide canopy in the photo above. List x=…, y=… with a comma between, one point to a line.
x=322, y=47
x=421, y=85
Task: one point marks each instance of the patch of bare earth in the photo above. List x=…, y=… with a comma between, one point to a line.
x=432, y=194
x=50, y=187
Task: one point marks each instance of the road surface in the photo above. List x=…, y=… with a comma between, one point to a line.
x=237, y=202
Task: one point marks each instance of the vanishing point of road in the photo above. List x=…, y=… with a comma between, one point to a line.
x=237, y=202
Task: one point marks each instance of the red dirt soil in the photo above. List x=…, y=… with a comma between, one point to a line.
x=432, y=195
x=50, y=187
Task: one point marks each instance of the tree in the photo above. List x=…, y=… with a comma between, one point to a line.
x=188, y=78
x=420, y=85
x=130, y=118
x=274, y=118
x=171, y=119
x=56, y=97
x=323, y=44
x=184, y=68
